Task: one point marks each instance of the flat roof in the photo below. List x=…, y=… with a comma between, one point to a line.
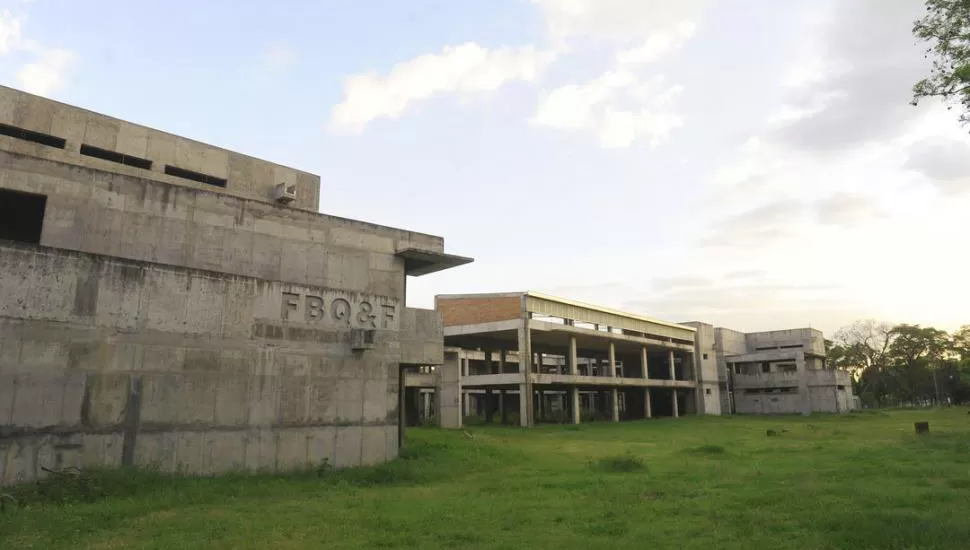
x=574, y=303
x=419, y=261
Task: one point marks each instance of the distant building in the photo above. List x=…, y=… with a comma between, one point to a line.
x=167, y=302
x=775, y=372
x=525, y=358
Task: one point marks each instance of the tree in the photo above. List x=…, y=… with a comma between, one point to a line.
x=861, y=349
x=917, y=354
x=946, y=26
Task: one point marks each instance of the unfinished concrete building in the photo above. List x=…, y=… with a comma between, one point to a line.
x=775, y=372
x=526, y=357
x=167, y=302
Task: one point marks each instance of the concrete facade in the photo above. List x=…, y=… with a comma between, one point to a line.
x=527, y=357
x=191, y=318
x=775, y=372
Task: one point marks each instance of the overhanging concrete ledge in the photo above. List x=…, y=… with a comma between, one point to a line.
x=419, y=262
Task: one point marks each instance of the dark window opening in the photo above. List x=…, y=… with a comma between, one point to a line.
x=765, y=367
x=705, y=356
x=21, y=216
x=841, y=387
x=114, y=156
x=707, y=391
x=793, y=346
x=30, y=135
x=194, y=176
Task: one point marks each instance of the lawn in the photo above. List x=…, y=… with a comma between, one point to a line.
x=862, y=480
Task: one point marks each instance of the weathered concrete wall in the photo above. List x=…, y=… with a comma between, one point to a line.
x=112, y=361
x=768, y=403
x=420, y=337
x=130, y=217
x=246, y=176
x=811, y=340
x=708, y=394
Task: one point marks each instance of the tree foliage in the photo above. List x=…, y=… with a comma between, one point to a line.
x=946, y=27
x=904, y=364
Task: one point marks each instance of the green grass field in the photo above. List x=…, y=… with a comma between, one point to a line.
x=856, y=481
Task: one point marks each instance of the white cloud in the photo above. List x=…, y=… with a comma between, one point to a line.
x=658, y=45
x=464, y=68
x=944, y=161
x=47, y=67
x=47, y=72
x=9, y=32
x=619, y=107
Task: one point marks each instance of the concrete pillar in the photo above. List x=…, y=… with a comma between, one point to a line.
x=673, y=394
x=488, y=362
x=448, y=392
x=573, y=368
x=805, y=396
x=574, y=409
x=612, y=367
x=615, y=404
x=643, y=363
x=670, y=362
x=648, y=408
x=526, y=418
x=501, y=406
x=542, y=406
x=501, y=361
x=488, y=405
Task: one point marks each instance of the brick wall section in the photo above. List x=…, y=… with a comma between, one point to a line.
x=471, y=311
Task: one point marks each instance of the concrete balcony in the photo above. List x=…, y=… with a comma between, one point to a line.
x=421, y=337
x=792, y=379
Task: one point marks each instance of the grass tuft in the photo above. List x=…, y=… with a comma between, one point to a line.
x=707, y=450
x=620, y=464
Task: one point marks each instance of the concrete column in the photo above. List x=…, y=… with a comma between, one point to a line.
x=612, y=366
x=615, y=404
x=805, y=396
x=574, y=405
x=501, y=405
x=673, y=367
x=501, y=361
x=448, y=392
x=488, y=362
x=573, y=367
x=526, y=418
x=540, y=362
x=648, y=412
x=643, y=363
x=488, y=405
x=673, y=393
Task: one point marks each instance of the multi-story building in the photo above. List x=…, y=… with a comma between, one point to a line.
x=588, y=362
x=527, y=357
x=168, y=302
x=775, y=372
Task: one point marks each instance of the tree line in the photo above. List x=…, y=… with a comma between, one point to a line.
x=903, y=365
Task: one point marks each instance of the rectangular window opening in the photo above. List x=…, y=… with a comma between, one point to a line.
x=113, y=156
x=30, y=135
x=194, y=176
x=707, y=391
x=21, y=216
x=841, y=387
x=705, y=356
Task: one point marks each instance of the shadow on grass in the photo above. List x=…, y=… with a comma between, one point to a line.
x=619, y=464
